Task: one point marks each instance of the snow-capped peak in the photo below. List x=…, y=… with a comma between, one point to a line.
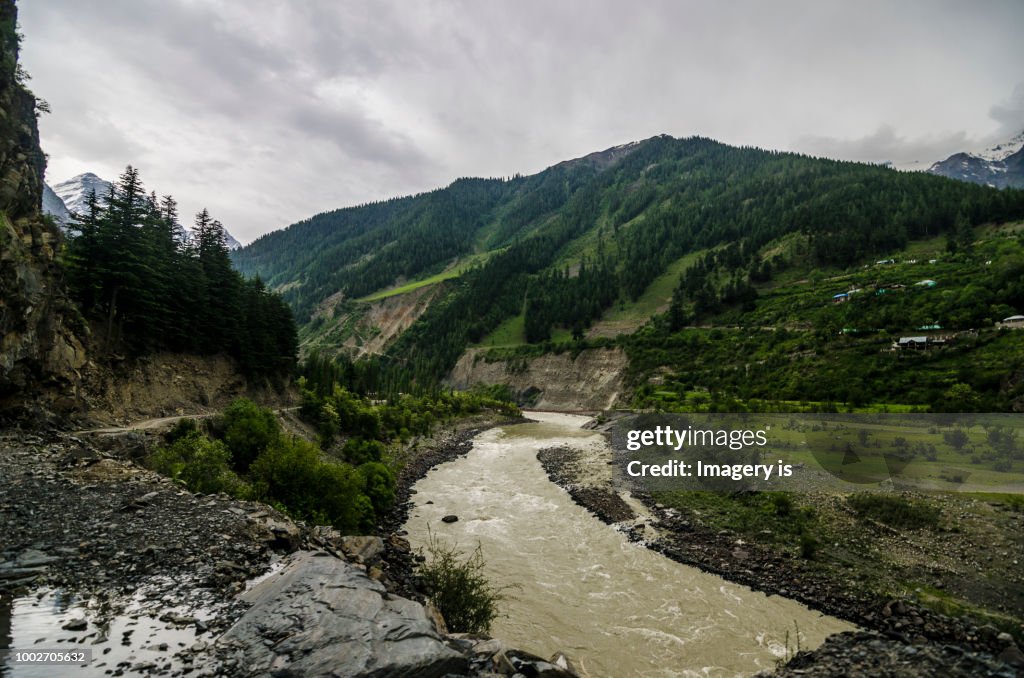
x=74, y=194
x=1002, y=150
x=75, y=191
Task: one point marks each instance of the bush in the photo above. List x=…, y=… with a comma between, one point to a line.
x=249, y=430
x=181, y=429
x=204, y=465
x=292, y=473
x=378, y=485
x=459, y=588
x=361, y=451
x=782, y=504
x=894, y=510
x=808, y=546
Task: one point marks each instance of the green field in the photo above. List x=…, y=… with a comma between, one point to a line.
x=452, y=272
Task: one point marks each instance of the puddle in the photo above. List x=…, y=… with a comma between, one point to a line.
x=143, y=636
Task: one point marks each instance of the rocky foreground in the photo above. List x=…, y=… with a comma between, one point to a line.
x=100, y=554
x=907, y=639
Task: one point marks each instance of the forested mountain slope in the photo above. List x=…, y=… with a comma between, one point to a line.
x=560, y=248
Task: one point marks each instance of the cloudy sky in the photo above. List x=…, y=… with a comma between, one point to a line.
x=268, y=112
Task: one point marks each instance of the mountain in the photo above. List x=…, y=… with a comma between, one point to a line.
x=1000, y=166
x=71, y=196
x=599, y=242
x=75, y=191
x=230, y=239
x=54, y=206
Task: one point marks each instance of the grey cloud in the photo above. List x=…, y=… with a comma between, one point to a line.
x=267, y=112
x=94, y=136
x=1010, y=114
x=886, y=145
x=358, y=136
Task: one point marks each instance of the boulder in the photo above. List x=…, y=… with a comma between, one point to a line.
x=321, y=616
x=363, y=549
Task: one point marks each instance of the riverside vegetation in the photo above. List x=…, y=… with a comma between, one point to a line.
x=349, y=485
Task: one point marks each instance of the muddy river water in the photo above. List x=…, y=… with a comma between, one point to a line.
x=616, y=608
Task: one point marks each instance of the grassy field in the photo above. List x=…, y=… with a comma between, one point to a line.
x=508, y=333
x=451, y=272
x=655, y=298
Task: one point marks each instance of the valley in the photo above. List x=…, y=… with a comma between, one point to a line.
x=395, y=438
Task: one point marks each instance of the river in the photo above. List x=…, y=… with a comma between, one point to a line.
x=616, y=608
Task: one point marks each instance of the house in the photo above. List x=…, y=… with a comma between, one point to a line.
x=885, y=262
x=912, y=342
x=918, y=343
x=1014, y=322
x=840, y=298
x=925, y=283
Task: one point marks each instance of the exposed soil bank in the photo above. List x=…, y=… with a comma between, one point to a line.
x=686, y=541
x=591, y=380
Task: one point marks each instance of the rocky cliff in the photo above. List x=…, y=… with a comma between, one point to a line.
x=40, y=345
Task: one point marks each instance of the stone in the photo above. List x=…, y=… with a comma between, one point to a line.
x=1012, y=656
x=322, y=616
x=363, y=549
x=488, y=648
x=32, y=558
x=531, y=665
x=281, y=535
x=77, y=624
x=449, y=519
x=562, y=661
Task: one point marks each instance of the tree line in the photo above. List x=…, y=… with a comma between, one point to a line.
x=146, y=285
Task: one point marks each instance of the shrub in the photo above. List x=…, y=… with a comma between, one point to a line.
x=378, y=485
x=204, y=465
x=808, y=546
x=249, y=430
x=360, y=451
x=894, y=510
x=292, y=473
x=181, y=429
x=459, y=588
x=782, y=504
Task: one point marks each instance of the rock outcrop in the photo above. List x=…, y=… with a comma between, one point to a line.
x=39, y=327
x=322, y=616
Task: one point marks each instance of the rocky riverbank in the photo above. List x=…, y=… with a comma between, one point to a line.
x=685, y=540
x=114, y=542
x=873, y=654
x=100, y=554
